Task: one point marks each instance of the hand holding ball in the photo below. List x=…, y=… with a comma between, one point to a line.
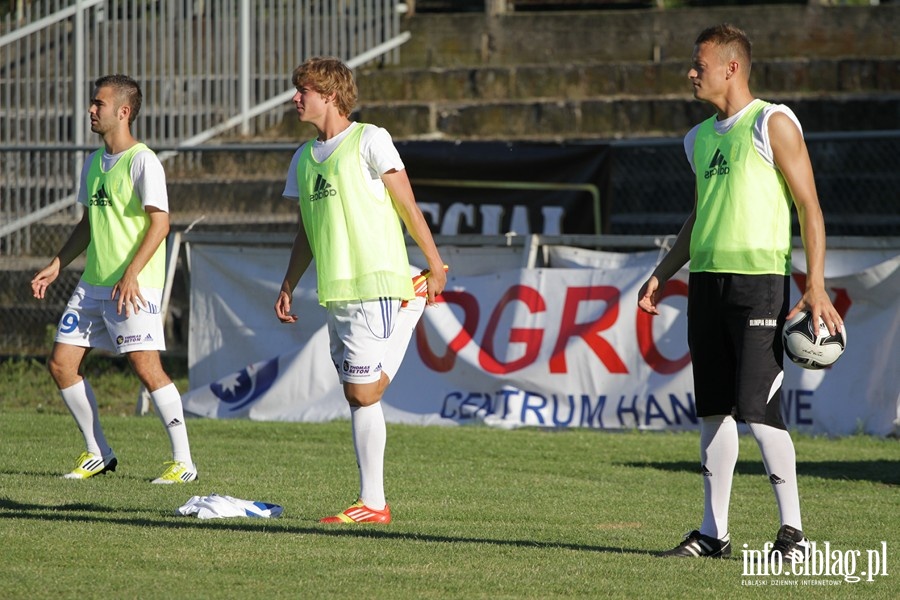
x=807, y=349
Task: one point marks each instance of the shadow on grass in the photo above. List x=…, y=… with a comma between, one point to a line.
x=13, y=510
x=7, y=504
x=876, y=471
x=59, y=475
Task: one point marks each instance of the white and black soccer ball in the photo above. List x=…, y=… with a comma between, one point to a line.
x=806, y=349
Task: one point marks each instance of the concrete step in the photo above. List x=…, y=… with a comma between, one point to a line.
x=234, y=195
x=608, y=117
x=558, y=38
x=584, y=80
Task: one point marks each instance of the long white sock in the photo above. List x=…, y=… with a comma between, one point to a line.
x=407, y=319
x=718, y=457
x=780, y=460
x=369, y=441
x=82, y=403
x=168, y=405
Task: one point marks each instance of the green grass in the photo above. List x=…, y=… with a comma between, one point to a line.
x=26, y=385
x=478, y=513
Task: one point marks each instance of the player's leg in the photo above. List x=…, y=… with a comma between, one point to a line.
x=369, y=439
x=713, y=366
x=759, y=398
x=81, y=327
x=167, y=403
x=140, y=337
x=64, y=364
x=718, y=458
x=360, y=333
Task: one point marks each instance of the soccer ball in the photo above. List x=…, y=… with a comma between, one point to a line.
x=805, y=349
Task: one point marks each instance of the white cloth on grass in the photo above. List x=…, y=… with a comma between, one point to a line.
x=215, y=506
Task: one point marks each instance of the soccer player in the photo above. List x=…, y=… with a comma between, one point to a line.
x=116, y=304
x=751, y=164
x=353, y=193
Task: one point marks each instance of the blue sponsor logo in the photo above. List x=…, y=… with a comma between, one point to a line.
x=241, y=389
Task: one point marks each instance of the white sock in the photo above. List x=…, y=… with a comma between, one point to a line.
x=407, y=319
x=80, y=400
x=780, y=460
x=718, y=455
x=369, y=440
x=168, y=405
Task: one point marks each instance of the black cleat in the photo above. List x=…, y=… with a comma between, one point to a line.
x=791, y=544
x=696, y=544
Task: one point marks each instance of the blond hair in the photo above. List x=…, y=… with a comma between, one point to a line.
x=328, y=75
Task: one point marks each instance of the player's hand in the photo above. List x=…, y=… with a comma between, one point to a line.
x=283, y=308
x=436, y=282
x=128, y=295
x=648, y=296
x=819, y=306
x=44, y=278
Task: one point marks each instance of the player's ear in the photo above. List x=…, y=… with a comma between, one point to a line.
x=732, y=68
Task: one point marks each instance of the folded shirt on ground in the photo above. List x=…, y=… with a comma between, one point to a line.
x=215, y=506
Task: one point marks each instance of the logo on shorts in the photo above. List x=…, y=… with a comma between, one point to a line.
x=767, y=323
x=123, y=340
x=356, y=369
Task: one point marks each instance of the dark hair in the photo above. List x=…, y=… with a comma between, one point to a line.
x=127, y=89
x=729, y=36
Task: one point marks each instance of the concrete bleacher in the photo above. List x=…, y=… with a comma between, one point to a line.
x=621, y=75
x=577, y=74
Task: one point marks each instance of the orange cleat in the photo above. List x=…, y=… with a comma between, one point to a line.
x=360, y=513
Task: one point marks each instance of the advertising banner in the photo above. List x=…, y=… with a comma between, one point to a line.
x=563, y=346
x=493, y=187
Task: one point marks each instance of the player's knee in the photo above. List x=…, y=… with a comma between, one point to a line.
x=148, y=368
x=365, y=394
x=58, y=370
x=364, y=397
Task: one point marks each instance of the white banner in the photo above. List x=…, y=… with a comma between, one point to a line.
x=558, y=347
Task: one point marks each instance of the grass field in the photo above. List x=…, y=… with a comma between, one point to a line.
x=478, y=513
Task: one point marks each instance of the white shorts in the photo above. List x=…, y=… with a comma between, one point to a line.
x=93, y=323
x=360, y=332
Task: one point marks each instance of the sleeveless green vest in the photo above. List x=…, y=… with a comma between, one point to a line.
x=356, y=237
x=118, y=224
x=743, y=220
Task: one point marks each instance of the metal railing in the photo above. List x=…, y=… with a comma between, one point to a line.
x=205, y=68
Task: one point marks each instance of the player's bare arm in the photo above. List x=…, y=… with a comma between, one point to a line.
x=127, y=291
x=301, y=257
x=651, y=291
x=792, y=159
x=397, y=183
x=76, y=244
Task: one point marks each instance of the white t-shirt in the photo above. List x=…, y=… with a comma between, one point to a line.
x=760, y=131
x=147, y=175
x=377, y=152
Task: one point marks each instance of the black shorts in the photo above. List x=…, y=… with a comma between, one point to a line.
x=734, y=334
